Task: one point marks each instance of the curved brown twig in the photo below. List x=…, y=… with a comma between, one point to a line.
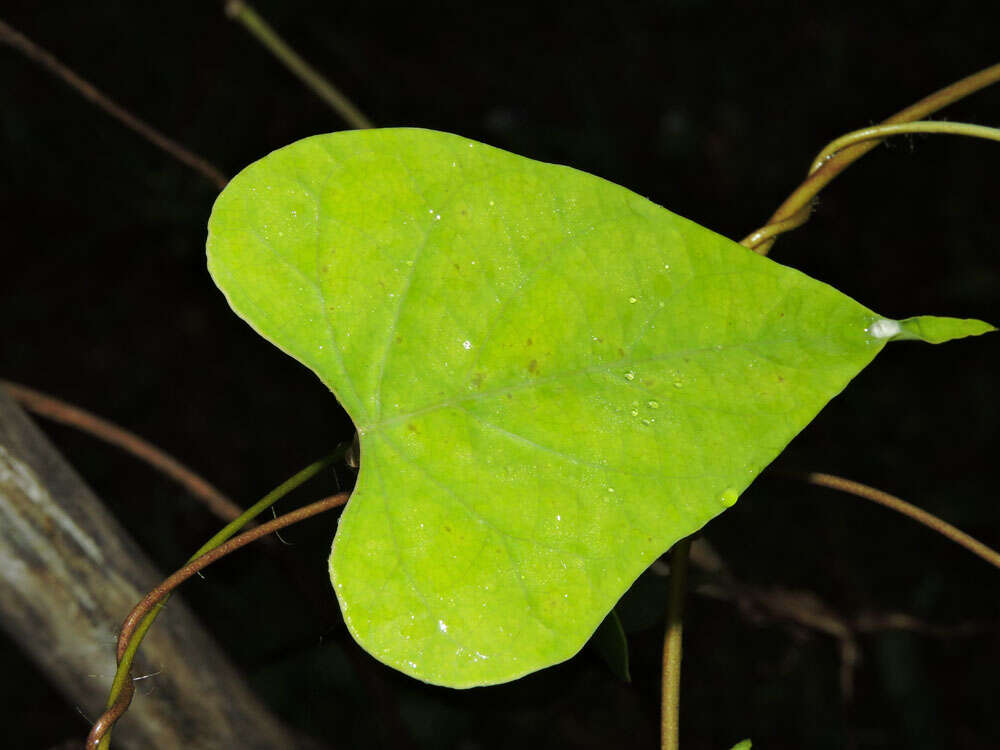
x=88, y=91
x=59, y=411
x=899, y=505
x=107, y=720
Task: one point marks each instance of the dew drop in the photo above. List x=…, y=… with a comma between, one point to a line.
x=442, y=627
x=630, y=375
x=635, y=412
x=466, y=344
x=884, y=328
x=653, y=404
x=729, y=497
x=632, y=300
x=678, y=384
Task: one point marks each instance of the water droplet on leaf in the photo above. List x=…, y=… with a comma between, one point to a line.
x=884, y=328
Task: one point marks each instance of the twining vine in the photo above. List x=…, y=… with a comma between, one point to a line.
x=793, y=212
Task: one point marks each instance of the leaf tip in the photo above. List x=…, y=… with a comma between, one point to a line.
x=932, y=329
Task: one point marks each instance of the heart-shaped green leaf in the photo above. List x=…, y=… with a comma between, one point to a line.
x=553, y=380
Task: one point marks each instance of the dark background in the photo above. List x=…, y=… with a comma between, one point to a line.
x=711, y=109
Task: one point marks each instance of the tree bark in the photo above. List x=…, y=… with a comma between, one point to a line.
x=69, y=573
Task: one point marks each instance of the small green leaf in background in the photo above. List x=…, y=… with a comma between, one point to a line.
x=553, y=380
x=744, y=745
x=610, y=642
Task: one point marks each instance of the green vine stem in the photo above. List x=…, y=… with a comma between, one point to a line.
x=262, y=31
x=768, y=233
x=127, y=649
x=799, y=201
x=671, y=673
x=878, y=132
x=100, y=733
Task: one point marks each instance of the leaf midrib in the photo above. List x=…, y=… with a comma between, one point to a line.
x=603, y=369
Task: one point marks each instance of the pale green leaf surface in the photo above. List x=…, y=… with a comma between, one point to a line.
x=553, y=380
x=743, y=745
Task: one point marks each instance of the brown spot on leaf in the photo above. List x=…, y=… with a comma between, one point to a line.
x=533, y=365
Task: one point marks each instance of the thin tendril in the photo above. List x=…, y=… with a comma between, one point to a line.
x=800, y=198
x=128, y=648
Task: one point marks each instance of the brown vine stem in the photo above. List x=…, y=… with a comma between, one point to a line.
x=797, y=205
x=57, y=410
x=899, y=505
x=269, y=38
x=15, y=39
x=670, y=696
x=99, y=733
x=123, y=672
